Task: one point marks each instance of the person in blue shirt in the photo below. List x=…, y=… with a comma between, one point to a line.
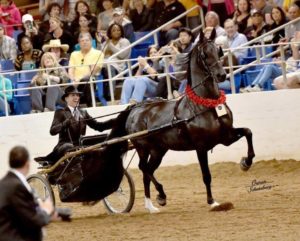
x=5, y=84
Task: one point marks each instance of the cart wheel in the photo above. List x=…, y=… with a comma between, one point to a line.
x=122, y=200
x=41, y=187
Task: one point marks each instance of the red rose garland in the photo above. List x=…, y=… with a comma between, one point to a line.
x=203, y=101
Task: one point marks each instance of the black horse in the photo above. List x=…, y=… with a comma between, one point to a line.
x=209, y=122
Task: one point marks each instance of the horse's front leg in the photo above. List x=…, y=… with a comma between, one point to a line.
x=234, y=135
x=203, y=161
x=143, y=166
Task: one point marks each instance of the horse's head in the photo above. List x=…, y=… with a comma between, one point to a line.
x=207, y=57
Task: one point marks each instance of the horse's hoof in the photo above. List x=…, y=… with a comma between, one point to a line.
x=221, y=207
x=244, y=166
x=149, y=206
x=161, y=201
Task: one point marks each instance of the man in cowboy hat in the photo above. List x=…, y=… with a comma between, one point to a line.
x=70, y=123
x=60, y=50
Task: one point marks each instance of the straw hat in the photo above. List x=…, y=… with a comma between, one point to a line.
x=55, y=43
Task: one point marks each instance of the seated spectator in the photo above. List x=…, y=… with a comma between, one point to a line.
x=53, y=10
x=59, y=50
x=49, y=8
x=85, y=63
x=8, y=47
x=185, y=40
x=82, y=8
x=258, y=28
x=141, y=17
x=56, y=31
x=279, y=18
x=226, y=85
x=212, y=21
x=136, y=88
x=45, y=7
x=119, y=18
x=164, y=11
x=8, y=86
x=10, y=16
x=242, y=15
x=269, y=73
x=264, y=8
x=48, y=77
x=291, y=30
x=29, y=58
x=116, y=41
x=106, y=17
x=292, y=79
x=234, y=39
x=31, y=30
x=85, y=26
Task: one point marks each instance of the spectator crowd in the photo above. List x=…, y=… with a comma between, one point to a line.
x=69, y=41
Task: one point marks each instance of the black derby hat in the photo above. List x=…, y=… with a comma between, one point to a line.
x=70, y=90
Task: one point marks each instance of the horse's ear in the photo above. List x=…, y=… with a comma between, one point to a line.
x=201, y=36
x=213, y=35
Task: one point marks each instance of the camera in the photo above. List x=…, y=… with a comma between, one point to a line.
x=30, y=25
x=64, y=213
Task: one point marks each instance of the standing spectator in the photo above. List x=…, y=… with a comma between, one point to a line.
x=9, y=15
x=224, y=9
x=242, y=15
x=31, y=30
x=193, y=17
x=164, y=11
x=106, y=17
x=8, y=47
x=29, y=58
x=57, y=32
x=85, y=63
x=119, y=18
x=8, y=86
x=141, y=17
x=45, y=7
x=22, y=216
x=234, y=39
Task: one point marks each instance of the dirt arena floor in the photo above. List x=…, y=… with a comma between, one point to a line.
x=266, y=201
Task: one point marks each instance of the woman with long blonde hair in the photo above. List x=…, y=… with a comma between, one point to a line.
x=46, y=77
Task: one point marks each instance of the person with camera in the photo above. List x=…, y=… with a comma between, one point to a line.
x=22, y=215
x=31, y=30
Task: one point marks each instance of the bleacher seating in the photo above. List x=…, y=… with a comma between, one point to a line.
x=141, y=48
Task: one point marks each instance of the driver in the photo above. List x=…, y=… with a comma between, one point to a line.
x=70, y=123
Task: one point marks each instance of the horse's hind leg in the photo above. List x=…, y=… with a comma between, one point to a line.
x=203, y=161
x=234, y=135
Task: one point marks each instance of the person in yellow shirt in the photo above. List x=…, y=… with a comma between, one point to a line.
x=84, y=64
